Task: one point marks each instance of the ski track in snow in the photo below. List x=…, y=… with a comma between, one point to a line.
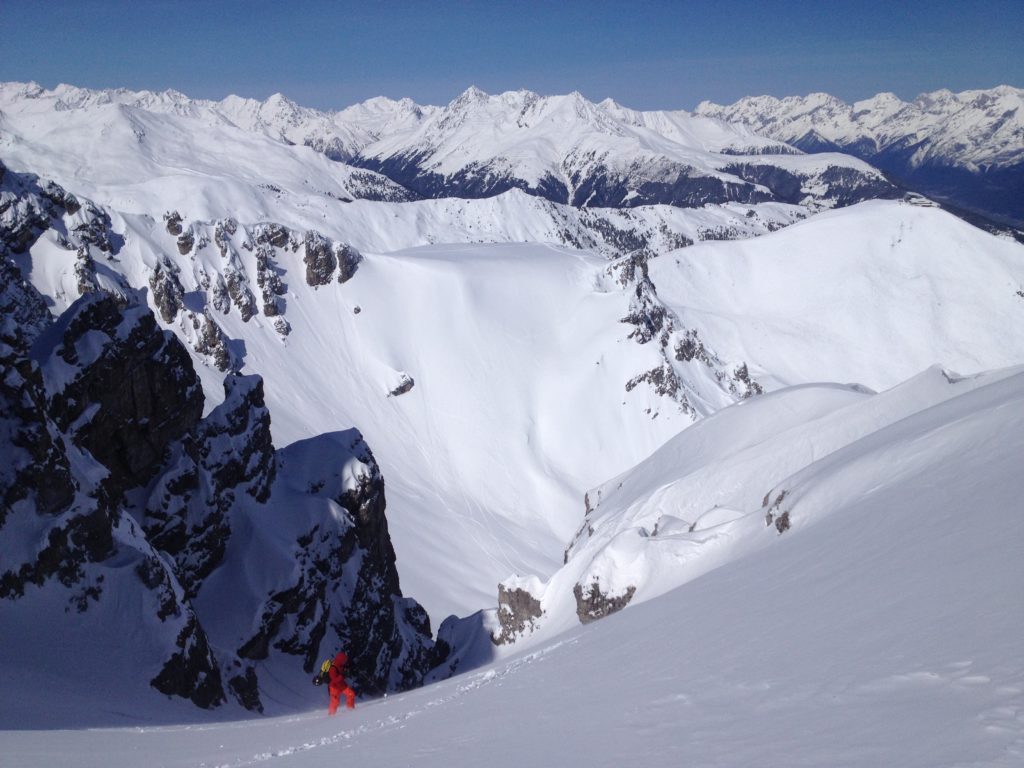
x=348, y=738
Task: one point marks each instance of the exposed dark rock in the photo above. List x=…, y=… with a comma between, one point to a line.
x=24, y=213
x=152, y=572
x=348, y=261
x=782, y=522
x=268, y=279
x=276, y=235
x=240, y=293
x=282, y=326
x=345, y=590
x=219, y=296
x=94, y=228
x=212, y=341
x=229, y=453
x=404, y=385
x=245, y=688
x=772, y=511
x=517, y=612
x=35, y=469
x=690, y=347
x=185, y=242
x=131, y=391
x=192, y=673
x=85, y=272
x=222, y=234
x=319, y=259
x=745, y=386
x=60, y=197
x=663, y=379
x=109, y=416
x=593, y=604
x=172, y=220
x=168, y=293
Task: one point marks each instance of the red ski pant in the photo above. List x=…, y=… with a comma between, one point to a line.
x=350, y=698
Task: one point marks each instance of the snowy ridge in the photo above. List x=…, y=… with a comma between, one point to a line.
x=340, y=135
x=738, y=480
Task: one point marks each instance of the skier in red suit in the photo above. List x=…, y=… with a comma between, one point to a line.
x=337, y=685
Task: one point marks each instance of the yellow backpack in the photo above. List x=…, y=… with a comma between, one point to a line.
x=322, y=677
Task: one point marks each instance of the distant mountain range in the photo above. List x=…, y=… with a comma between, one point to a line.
x=964, y=148
x=562, y=148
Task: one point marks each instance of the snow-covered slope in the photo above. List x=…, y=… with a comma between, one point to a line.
x=740, y=479
x=877, y=282
x=880, y=629
x=149, y=154
x=967, y=147
x=527, y=388
x=826, y=300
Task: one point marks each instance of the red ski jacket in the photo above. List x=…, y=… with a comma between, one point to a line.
x=335, y=673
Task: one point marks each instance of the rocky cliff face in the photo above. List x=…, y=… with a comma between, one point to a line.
x=119, y=387
x=344, y=589
x=70, y=541
x=117, y=493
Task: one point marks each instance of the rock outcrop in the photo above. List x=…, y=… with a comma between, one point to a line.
x=593, y=604
x=103, y=430
x=517, y=612
x=121, y=388
x=344, y=591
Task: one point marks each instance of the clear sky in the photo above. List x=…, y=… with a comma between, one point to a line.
x=647, y=55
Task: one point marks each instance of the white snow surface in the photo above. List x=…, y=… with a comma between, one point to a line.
x=880, y=281
x=881, y=629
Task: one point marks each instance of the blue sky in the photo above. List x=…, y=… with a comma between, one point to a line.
x=646, y=55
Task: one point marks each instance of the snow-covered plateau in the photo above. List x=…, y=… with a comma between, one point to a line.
x=444, y=386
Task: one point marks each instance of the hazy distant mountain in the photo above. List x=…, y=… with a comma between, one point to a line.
x=965, y=148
